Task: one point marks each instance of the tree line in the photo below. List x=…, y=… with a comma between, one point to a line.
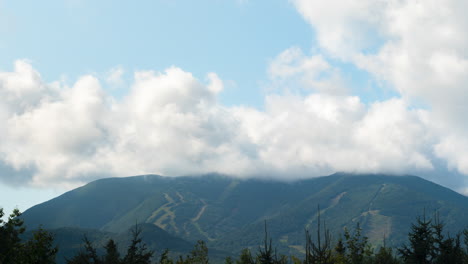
x=427, y=244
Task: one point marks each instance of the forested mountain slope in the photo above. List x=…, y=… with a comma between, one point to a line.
x=229, y=213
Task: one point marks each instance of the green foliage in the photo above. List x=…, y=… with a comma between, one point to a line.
x=242, y=205
x=38, y=250
x=245, y=257
x=421, y=243
x=137, y=252
x=340, y=251
x=429, y=245
x=10, y=242
x=385, y=256
x=465, y=234
x=87, y=256
x=165, y=259
x=358, y=250
x=266, y=255
x=227, y=212
x=228, y=260
x=112, y=255
x=199, y=254
x=319, y=251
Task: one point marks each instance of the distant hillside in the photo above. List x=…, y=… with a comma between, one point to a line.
x=229, y=213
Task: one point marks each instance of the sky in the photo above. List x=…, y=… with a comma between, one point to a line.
x=251, y=88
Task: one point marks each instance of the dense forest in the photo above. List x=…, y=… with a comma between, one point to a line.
x=427, y=242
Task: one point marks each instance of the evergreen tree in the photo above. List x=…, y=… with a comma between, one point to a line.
x=465, y=234
x=265, y=255
x=318, y=252
x=228, y=260
x=245, y=257
x=199, y=254
x=283, y=259
x=447, y=249
x=137, y=253
x=165, y=259
x=421, y=243
x=385, y=256
x=86, y=256
x=112, y=255
x=450, y=251
x=358, y=249
x=10, y=242
x=340, y=251
x=39, y=249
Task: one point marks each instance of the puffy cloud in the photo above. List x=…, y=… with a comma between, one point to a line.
x=343, y=27
x=417, y=47
x=171, y=123
x=320, y=134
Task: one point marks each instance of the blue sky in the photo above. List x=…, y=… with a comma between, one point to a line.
x=235, y=39
x=286, y=89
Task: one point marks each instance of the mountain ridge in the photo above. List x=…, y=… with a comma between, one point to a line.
x=229, y=212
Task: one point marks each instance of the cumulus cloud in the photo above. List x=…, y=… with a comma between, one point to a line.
x=417, y=47
x=171, y=123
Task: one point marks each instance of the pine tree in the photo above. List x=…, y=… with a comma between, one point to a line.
x=112, y=255
x=385, y=255
x=137, y=253
x=358, y=248
x=228, y=260
x=39, y=249
x=339, y=252
x=318, y=252
x=10, y=242
x=245, y=257
x=199, y=254
x=165, y=259
x=465, y=234
x=265, y=255
x=86, y=256
x=421, y=243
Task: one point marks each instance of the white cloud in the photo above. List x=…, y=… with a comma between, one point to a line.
x=292, y=68
x=343, y=27
x=320, y=134
x=418, y=47
x=170, y=123
x=114, y=77
x=216, y=84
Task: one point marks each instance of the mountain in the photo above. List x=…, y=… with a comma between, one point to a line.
x=229, y=213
